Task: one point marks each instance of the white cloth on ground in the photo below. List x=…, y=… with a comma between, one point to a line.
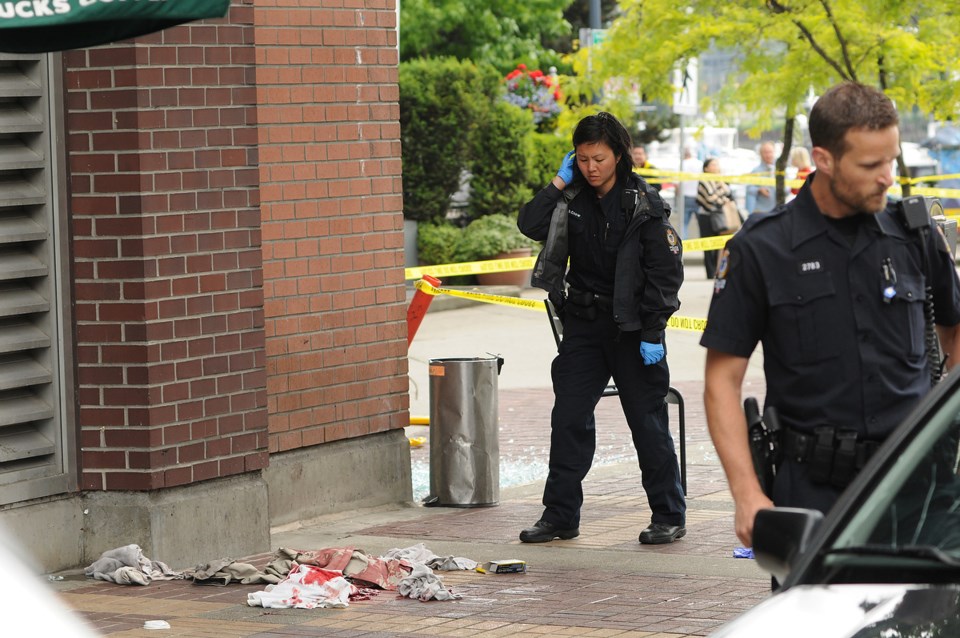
x=128, y=566
x=305, y=587
x=423, y=584
x=420, y=554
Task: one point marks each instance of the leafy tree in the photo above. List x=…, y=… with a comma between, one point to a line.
x=497, y=32
x=788, y=47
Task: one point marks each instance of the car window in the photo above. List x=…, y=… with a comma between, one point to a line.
x=914, y=504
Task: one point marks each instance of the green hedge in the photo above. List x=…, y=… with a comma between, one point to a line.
x=499, y=157
x=453, y=119
x=441, y=101
x=488, y=236
x=546, y=153
x=437, y=242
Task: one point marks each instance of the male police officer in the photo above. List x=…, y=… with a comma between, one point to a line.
x=832, y=284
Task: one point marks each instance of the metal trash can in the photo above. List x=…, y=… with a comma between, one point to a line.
x=464, y=442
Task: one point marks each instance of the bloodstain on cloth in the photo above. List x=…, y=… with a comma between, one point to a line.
x=305, y=587
x=385, y=573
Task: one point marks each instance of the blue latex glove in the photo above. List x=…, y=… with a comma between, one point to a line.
x=566, y=168
x=651, y=352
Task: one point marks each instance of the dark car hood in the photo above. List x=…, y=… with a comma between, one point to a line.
x=852, y=611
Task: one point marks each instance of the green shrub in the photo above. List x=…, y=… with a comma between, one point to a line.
x=546, y=154
x=440, y=102
x=490, y=235
x=498, y=160
x=437, y=243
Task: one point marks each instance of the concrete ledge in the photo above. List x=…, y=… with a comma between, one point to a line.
x=353, y=473
x=50, y=531
x=181, y=526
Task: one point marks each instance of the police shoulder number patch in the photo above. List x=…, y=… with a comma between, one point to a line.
x=672, y=242
x=723, y=267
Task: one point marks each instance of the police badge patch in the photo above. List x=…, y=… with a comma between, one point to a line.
x=672, y=241
x=722, y=267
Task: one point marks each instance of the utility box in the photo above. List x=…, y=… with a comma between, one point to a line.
x=464, y=439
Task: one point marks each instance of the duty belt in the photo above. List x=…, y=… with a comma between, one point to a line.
x=833, y=455
x=586, y=299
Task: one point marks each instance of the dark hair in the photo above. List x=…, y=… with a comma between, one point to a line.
x=849, y=106
x=707, y=162
x=606, y=128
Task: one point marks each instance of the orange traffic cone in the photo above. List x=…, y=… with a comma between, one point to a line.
x=419, y=304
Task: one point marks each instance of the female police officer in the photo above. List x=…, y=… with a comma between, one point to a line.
x=625, y=271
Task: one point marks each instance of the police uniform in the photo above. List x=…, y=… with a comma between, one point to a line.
x=624, y=274
x=839, y=308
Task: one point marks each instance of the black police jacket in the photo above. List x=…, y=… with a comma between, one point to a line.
x=649, y=265
x=842, y=326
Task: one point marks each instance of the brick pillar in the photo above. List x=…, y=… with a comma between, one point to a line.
x=162, y=144
x=334, y=294
x=332, y=221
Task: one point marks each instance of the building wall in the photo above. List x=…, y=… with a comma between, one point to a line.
x=168, y=276
x=334, y=300
x=236, y=249
x=237, y=239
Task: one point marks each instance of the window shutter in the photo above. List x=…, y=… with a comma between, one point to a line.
x=37, y=455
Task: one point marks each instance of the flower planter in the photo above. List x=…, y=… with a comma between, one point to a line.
x=519, y=278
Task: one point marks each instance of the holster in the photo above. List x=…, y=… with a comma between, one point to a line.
x=581, y=304
x=764, y=439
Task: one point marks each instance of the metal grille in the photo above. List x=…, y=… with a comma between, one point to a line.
x=37, y=456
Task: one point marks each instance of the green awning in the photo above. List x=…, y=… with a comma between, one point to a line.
x=38, y=26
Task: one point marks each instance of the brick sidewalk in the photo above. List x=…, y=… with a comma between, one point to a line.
x=603, y=583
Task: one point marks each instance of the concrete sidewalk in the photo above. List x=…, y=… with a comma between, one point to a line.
x=603, y=583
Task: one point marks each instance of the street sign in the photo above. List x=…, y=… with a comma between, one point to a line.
x=591, y=37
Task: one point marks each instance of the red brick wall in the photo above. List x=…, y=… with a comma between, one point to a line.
x=335, y=303
x=162, y=151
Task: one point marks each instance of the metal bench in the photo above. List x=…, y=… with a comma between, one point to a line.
x=673, y=395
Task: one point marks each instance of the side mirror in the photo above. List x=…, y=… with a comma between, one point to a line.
x=780, y=535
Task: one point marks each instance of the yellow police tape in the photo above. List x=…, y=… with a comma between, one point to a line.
x=659, y=176
x=705, y=243
x=526, y=263
x=471, y=267
x=680, y=323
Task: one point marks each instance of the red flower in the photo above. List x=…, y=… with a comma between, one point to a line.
x=534, y=90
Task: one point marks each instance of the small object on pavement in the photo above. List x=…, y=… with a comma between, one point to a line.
x=743, y=552
x=417, y=441
x=511, y=566
x=156, y=624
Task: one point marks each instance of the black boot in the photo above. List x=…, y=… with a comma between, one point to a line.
x=544, y=531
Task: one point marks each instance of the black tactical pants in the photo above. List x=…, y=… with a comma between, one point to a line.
x=590, y=354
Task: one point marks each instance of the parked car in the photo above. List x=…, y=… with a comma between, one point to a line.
x=885, y=563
